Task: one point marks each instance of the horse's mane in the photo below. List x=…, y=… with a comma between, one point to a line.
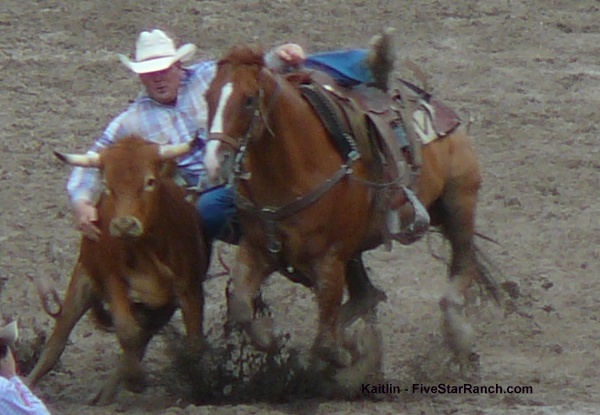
x=244, y=55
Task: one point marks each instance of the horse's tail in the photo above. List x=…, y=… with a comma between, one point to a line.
x=488, y=274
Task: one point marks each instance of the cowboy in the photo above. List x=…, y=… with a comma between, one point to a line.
x=170, y=110
x=15, y=396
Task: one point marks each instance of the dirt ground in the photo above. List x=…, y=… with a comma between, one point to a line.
x=525, y=74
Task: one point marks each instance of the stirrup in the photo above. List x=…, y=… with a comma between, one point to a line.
x=412, y=232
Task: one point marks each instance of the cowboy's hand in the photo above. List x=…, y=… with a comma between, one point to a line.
x=8, y=367
x=291, y=53
x=86, y=218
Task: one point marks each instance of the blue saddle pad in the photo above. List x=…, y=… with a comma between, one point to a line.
x=347, y=67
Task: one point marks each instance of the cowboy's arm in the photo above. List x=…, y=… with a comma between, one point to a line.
x=83, y=186
x=191, y=165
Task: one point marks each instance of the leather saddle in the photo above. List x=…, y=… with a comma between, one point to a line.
x=423, y=118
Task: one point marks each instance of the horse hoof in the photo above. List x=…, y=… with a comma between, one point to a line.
x=458, y=333
x=339, y=357
x=137, y=383
x=195, y=346
x=261, y=332
x=361, y=306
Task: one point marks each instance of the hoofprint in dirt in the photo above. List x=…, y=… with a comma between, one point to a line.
x=524, y=74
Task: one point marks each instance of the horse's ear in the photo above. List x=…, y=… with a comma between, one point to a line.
x=266, y=74
x=293, y=79
x=298, y=78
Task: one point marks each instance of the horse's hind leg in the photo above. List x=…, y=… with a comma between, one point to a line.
x=78, y=300
x=458, y=225
x=364, y=296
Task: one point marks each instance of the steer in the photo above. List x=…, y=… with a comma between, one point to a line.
x=151, y=258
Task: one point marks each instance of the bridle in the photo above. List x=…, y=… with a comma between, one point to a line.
x=272, y=215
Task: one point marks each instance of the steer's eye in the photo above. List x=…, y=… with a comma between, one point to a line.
x=150, y=184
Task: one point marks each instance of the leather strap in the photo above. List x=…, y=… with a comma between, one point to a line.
x=235, y=144
x=271, y=215
x=342, y=138
x=278, y=213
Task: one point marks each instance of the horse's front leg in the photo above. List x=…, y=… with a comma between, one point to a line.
x=330, y=281
x=191, y=300
x=248, y=274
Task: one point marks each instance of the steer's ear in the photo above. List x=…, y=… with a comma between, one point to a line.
x=82, y=160
x=170, y=151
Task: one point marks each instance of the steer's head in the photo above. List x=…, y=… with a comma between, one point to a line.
x=131, y=173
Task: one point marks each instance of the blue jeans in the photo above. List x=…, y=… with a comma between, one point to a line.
x=347, y=67
x=217, y=211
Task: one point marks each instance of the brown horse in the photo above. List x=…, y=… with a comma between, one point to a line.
x=303, y=204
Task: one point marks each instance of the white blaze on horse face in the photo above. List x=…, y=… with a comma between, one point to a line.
x=217, y=125
x=211, y=159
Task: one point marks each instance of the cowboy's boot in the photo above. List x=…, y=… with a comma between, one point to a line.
x=381, y=58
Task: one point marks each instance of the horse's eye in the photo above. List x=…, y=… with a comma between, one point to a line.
x=249, y=102
x=150, y=183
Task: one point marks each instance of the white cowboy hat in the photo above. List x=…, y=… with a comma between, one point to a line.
x=155, y=51
x=9, y=334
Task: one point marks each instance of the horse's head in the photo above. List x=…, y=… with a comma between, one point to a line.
x=233, y=100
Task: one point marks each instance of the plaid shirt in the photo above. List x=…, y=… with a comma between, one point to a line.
x=17, y=399
x=159, y=123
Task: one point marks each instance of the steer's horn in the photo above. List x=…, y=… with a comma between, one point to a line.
x=90, y=159
x=170, y=151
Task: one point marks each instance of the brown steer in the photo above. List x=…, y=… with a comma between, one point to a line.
x=150, y=259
